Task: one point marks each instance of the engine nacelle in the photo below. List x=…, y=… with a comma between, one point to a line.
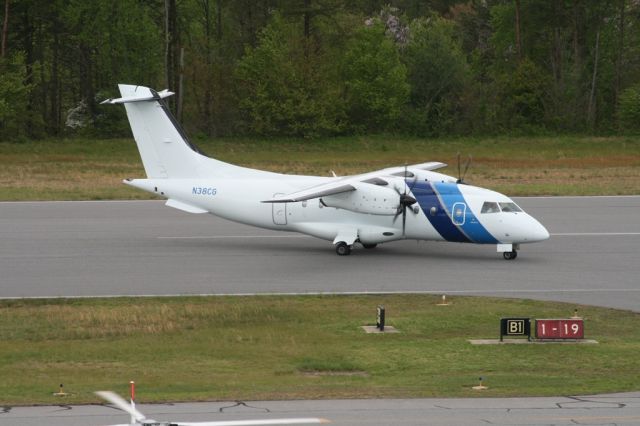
x=367, y=198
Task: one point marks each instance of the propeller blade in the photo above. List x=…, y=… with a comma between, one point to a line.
x=458, y=161
x=404, y=220
x=120, y=403
x=398, y=212
x=255, y=422
x=413, y=184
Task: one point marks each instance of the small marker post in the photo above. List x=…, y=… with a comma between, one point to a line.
x=480, y=385
x=61, y=391
x=132, y=384
x=575, y=314
x=443, y=301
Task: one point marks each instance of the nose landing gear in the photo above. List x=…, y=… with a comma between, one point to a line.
x=510, y=255
x=509, y=251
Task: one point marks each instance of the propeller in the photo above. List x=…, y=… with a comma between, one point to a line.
x=405, y=201
x=123, y=405
x=140, y=419
x=466, y=168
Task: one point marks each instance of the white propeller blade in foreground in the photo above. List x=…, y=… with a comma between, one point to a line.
x=120, y=403
x=117, y=400
x=255, y=422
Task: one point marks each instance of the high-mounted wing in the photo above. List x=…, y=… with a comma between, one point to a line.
x=323, y=190
x=352, y=183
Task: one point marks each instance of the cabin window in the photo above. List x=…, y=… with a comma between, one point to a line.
x=510, y=208
x=490, y=207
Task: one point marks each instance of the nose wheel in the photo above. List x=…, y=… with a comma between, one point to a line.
x=510, y=255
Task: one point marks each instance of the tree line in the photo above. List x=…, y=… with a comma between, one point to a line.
x=312, y=68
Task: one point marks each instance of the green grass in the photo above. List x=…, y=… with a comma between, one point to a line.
x=81, y=169
x=268, y=347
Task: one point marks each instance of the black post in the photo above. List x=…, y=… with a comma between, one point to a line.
x=380, y=318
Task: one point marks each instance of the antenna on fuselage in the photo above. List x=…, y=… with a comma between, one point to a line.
x=461, y=176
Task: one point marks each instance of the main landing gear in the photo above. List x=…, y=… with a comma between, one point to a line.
x=343, y=249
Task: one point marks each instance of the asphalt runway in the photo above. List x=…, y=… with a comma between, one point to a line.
x=69, y=249
x=53, y=249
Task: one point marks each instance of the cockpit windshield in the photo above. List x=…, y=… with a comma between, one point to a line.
x=510, y=208
x=490, y=207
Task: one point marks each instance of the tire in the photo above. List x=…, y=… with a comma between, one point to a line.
x=343, y=249
x=510, y=255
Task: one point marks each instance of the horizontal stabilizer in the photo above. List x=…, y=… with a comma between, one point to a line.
x=142, y=96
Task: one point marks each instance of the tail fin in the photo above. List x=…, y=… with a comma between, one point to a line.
x=165, y=150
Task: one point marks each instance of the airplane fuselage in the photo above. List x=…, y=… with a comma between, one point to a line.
x=444, y=211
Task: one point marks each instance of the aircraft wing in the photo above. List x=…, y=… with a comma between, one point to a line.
x=431, y=165
x=323, y=190
x=351, y=183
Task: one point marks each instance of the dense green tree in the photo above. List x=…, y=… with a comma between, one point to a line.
x=284, y=89
x=14, y=95
x=375, y=81
x=322, y=67
x=629, y=109
x=437, y=73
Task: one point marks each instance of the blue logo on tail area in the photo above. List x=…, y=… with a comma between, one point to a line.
x=447, y=211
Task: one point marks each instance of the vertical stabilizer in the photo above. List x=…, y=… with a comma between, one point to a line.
x=165, y=150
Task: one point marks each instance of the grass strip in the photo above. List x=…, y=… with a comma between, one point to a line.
x=81, y=169
x=277, y=347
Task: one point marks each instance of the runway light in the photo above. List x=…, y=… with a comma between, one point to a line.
x=443, y=301
x=575, y=314
x=61, y=391
x=480, y=385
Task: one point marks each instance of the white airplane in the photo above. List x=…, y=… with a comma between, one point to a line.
x=139, y=419
x=362, y=209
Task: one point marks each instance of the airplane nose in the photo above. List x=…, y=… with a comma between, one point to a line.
x=537, y=231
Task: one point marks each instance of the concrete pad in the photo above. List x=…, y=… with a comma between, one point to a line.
x=374, y=330
x=532, y=342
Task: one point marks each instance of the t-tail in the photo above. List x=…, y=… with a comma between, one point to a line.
x=165, y=150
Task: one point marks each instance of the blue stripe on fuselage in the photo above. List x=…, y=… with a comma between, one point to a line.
x=426, y=196
x=443, y=196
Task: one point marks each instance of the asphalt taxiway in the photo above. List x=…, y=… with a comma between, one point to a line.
x=72, y=249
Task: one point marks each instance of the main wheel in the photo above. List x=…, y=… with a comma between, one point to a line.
x=343, y=249
x=369, y=246
x=510, y=255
